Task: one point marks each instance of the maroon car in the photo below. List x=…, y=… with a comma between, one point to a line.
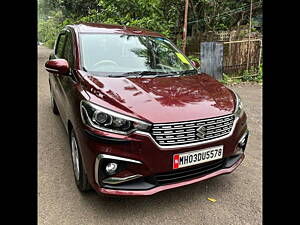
x=139, y=115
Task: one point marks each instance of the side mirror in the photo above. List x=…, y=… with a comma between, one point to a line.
x=196, y=64
x=60, y=66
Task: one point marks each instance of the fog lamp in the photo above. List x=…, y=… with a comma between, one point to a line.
x=111, y=168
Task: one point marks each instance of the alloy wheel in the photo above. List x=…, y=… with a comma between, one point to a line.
x=75, y=157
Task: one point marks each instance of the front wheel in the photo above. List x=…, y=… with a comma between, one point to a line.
x=79, y=172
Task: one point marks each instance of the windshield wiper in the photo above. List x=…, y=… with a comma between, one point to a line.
x=188, y=72
x=115, y=75
x=170, y=73
x=133, y=74
x=142, y=73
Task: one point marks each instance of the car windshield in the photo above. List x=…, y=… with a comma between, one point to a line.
x=119, y=54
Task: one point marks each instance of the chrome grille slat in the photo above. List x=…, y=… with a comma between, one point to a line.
x=218, y=130
x=175, y=133
x=184, y=142
x=175, y=138
x=179, y=133
x=228, y=117
x=177, y=128
x=211, y=128
x=163, y=128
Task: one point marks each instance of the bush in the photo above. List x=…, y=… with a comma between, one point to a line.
x=252, y=75
x=248, y=75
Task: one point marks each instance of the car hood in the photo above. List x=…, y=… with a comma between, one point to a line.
x=162, y=99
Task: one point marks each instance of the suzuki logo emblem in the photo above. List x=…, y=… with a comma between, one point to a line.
x=201, y=132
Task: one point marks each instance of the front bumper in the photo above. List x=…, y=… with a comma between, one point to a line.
x=228, y=166
x=149, y=161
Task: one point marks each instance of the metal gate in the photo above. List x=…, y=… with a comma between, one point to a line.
x=211, y=57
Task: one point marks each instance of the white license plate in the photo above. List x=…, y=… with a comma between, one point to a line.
x=197, y=157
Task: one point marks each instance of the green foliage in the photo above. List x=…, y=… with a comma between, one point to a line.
x=75, y=8
x=229, y=80
x=194, y=58
x=49, y=28
x=247, y=76
x=220, y=15
x=252, y=75
x=156, y=15
x=136, y=13
x=260, y=74
x=163, y=16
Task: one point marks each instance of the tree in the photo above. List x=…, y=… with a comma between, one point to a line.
x=164, y=16
x=216, y=15
x=78, y=8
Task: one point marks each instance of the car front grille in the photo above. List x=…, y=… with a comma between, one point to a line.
x=189, y=173
x=179, y=133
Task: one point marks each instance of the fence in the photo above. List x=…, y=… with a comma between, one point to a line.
x=194, y=41
x=236, y=58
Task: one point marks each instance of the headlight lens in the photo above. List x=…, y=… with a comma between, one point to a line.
x=239, y=109
x=107, y=120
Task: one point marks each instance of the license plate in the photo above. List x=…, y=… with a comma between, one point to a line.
x=197, y=157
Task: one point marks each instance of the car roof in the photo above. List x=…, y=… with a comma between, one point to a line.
x=112, y=29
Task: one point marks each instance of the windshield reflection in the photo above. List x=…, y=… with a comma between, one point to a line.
x=118, y=53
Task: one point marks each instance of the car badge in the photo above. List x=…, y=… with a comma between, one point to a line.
x=201, y=132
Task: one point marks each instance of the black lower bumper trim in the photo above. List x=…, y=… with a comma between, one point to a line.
x=136, y=185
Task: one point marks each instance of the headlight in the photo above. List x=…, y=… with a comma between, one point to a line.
x=238, y=111
x=104, y=119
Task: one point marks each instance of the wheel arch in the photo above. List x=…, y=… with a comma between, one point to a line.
x=70, y=127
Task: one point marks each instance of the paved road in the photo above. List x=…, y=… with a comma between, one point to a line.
x=238, y=195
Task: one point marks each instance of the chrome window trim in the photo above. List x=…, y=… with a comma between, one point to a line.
x=118, y=180
x=105, y=156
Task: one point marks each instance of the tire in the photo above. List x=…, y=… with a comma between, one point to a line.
x=80, y=176
x=53, y=104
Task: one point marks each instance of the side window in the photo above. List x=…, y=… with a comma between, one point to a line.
x=60, y=45
x=68, y=51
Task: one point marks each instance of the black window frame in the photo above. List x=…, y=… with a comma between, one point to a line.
x=57, y=43
x=67, y=38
